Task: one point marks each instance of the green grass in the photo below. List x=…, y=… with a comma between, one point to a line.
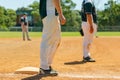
x=64, y=34
x=18, y=34
x=108, y=33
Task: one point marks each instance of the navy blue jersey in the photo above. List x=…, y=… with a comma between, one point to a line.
x=24, y=20
x=47, y=7
x=88, y=7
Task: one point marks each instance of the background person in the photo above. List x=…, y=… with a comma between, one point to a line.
x=24, y=26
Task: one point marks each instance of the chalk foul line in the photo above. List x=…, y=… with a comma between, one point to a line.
x=69, y=75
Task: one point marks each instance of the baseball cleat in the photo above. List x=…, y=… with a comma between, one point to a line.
x=88, y=59
x=29, y=39
x=49, y=72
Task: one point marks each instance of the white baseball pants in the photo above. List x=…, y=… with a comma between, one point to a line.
x=88, y=38
x=50, y=40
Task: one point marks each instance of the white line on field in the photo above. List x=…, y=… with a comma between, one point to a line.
x=70, y=75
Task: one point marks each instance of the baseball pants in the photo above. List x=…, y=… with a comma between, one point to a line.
x=88, y=38
x=25, y=31
x=50, y=40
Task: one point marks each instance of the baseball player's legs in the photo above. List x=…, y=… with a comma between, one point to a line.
x=95, y=30
x=88, y=38
x=50, y=40
x=23, y=32
x=56, y=39
x=26, y=31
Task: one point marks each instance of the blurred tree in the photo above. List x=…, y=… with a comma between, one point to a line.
x=10, y=18
x=110, y=16
x=2, y=18
x=7, y=18
x=72, y=16
x=35, y=12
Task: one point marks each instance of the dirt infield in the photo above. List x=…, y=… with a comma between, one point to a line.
x=15, y=54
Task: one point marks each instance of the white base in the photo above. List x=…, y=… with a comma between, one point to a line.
x=27, y=70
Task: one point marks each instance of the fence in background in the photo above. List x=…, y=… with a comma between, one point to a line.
x=109, y=28
x=30, y=28
x=64, y=28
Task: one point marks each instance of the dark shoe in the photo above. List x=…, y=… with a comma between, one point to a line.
x=88, y=59
x=50, y=68
x=29, y=39
x=49, y=72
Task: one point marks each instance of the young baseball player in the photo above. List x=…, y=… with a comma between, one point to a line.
x=51, y=14
x=24, y=25
x=89, y=27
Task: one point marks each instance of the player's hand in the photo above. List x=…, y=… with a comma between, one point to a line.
x=91, y=29
x=62, y=19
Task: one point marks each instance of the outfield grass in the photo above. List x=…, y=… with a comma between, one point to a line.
x=39, y=34
x=108, y=33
